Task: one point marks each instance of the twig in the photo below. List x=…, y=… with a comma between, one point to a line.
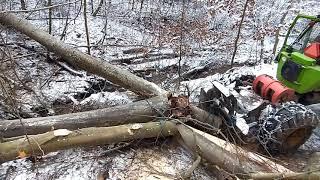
x=64, y=32
x=116, y=148
x=39, y=9
x=68, y=68
x=195, y=164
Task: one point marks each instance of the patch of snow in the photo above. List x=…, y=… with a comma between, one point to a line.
x=87, y=163
x=313, y=143
x=64, y=84
x=242, y=125
x=103, y=98
x=227, y=78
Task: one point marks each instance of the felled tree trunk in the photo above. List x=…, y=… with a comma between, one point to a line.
x=141, y=111
x=287, y=176
x=228, y=156
x=63, y=139
x=81, y=60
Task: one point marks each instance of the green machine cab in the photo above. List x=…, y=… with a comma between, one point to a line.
x=299, y=58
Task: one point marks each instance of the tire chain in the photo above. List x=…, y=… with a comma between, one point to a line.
x=272, y=119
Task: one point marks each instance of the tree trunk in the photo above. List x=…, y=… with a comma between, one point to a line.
x=205, y=117
x=50, y=16
x=63, y=139
x=238, y=33
x=226, y=155
x=262, y=49
x=23, y=5
x=283, y=17
x=94, y=14
x=86, y=25
x=181, y=40
x=141, y=111
x=50, y=24
x=81, y=60
x=276, y=42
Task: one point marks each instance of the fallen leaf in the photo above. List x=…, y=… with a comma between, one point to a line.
x=22, y=154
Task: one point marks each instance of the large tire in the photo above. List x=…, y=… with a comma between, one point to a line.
x=285, y=128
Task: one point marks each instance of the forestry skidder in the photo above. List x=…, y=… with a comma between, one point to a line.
x=284, y=122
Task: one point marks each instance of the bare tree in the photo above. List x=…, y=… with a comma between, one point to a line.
x=50, y=16
x=23, y=5
x=86, y=25
x=282, y=20
x=141, y=6
x=98, y=8
x=50, y=23
x=239, y=31
x=181, y=39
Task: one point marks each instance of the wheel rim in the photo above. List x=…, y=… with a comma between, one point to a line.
x=297, y=138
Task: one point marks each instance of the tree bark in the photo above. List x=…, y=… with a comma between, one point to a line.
x=81, y=60
x=230, y=157
x=63, y=139
x=205, y=117
x=141, y=111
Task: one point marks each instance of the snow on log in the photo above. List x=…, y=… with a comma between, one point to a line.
x=81, y=60
x=53, y=141
x=141, y=111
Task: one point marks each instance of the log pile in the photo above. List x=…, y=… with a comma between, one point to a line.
x=147, y=118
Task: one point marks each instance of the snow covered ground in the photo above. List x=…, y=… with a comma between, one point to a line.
x=148, y=162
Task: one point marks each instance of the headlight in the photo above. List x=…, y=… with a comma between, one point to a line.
x=284, y=58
